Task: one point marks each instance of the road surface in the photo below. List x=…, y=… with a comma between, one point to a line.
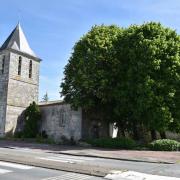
x=86, y=163
x=13, y=171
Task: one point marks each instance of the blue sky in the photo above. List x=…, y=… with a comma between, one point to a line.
x=53, y=27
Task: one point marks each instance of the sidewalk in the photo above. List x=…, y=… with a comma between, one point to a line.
x=127, y=155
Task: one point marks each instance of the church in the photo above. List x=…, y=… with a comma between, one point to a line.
x=19, y=84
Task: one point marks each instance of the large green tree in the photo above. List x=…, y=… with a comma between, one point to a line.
x=90, y=74
x=130, y=76
x=149, y=77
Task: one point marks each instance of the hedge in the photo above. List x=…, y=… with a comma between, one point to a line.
x=121, y=143
x=165, y=145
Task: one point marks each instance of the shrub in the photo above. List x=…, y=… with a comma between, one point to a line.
x=18, y=134
x=122, y=143
x=165, y=145
x=32, y=118
x=41, y=139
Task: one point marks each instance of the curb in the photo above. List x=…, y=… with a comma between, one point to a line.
x=106, y=157
x=89, y=170
x=113, y=158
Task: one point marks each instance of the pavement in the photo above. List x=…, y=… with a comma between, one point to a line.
x=128, y=155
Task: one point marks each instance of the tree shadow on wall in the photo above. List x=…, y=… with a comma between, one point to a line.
x=20, y=125
x=17, y=130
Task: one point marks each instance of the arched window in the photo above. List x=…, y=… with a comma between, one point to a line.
x=3, y=64
x=62, y=118
x=19, y=65
x=30, y=69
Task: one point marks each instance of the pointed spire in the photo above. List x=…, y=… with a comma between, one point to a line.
x=18, y=41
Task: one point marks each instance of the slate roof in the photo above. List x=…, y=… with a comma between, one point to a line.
x=18, y=41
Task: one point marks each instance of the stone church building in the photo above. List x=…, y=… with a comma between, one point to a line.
x=19, y=84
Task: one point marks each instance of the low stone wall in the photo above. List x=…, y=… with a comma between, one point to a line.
x=60, y=121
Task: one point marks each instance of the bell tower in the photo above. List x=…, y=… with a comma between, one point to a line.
x=19, y=79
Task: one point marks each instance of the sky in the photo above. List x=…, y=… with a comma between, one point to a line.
x=53, y=27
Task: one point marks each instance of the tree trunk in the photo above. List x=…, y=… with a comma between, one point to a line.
x=153, y=134
x=163, y=135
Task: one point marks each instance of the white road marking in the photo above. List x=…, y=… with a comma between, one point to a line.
x=14, y=165
x=132, y=175
x=57, y=160
x=22, y=149
x=69, y=176
x=66, y=159
x=77, y=157
x=4, y=171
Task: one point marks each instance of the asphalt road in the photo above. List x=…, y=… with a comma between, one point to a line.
x=12, y=171
x=172, y=170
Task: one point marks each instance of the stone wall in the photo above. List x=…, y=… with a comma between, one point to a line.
x=24, y=77
x=21, y=94
x=22, y=90
x=13, y=119
x=59, y=121
x=3, y=89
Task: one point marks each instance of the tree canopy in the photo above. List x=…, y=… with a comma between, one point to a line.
x=89, y=75
x=130, y=76
x=149, y=73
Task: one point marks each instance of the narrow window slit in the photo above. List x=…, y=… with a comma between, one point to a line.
x=30, y=69
x=3, y=64
x=19, y=65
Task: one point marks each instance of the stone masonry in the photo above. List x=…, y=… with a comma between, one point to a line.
x=60, y=121
x=3, y=88
x=17, y=88
x=22, y=90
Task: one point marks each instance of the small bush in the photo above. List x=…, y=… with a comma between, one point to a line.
x=18, y=134
x=32, y=118
x=121, y=143
x=165, y=145
x=41, y=139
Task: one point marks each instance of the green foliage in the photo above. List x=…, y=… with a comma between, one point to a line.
x=165, y=145
x=120, y=143
x=89, y=75
x=19, y=134
x=148, y=91
x=44, y=140
x=129, y=76
x=32, y=118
